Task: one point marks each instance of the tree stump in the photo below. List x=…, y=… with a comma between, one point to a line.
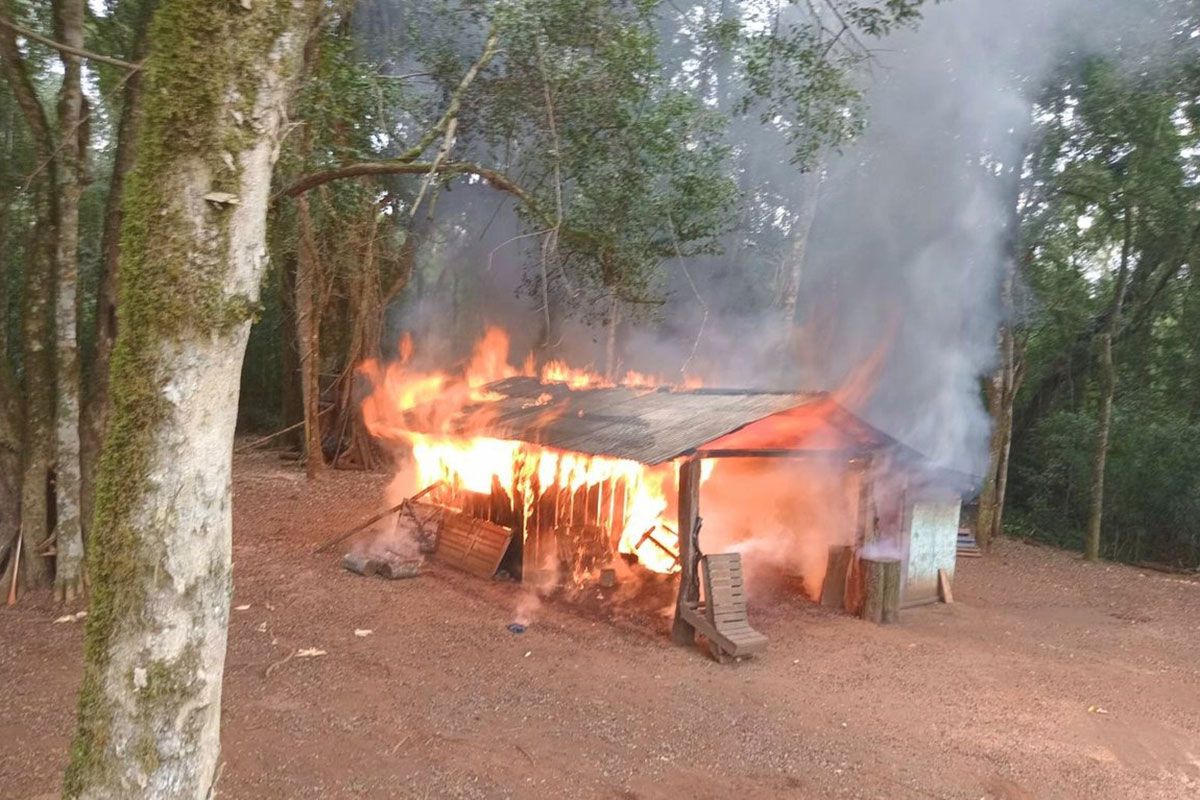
x=881, y=590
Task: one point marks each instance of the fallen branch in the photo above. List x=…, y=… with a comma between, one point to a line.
x=265, y=439
x=344, y=535
x=276, y=665
x=12, y=585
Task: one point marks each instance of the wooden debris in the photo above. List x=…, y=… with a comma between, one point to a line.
x=472, y=545
x=967, y=546
x=388, y=564
x=276, y=665
x=881, y=590
x=833, y=591
x=394, y=567
x=649, y=536
x=944, y=590
x=16, y=559
x=330, y=543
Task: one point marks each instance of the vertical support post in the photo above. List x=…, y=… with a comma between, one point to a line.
x=682, y=632
x=866, y=532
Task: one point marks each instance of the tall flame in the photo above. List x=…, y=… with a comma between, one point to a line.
x=415, y=409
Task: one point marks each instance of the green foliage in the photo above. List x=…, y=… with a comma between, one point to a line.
x=1152, y=496
x=1115, y=167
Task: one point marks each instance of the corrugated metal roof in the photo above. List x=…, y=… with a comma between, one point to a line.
x=648, y=425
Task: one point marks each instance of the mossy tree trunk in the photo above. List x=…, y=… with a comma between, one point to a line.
x=10, y=436
x=193, y=256
x=36, y=321
x=68, y=531
x=95, y=408
x=37, y=442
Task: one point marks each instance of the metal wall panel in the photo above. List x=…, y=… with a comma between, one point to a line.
x=932, y=545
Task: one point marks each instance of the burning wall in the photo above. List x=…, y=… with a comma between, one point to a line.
x=545, y=492
x=577, y=513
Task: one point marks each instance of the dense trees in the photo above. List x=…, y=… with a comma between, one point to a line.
x=1110, y=227
x=142, y=207
x=595, y=150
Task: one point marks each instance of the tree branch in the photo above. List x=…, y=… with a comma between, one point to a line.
x=495, y=178
x=34, y=36
x=489, y=50
x=24, y=91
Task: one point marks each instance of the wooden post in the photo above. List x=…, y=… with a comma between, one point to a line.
x=865, y=522
x=881, y=590
x=833, y=591
x=944, y=591
x=683, y=632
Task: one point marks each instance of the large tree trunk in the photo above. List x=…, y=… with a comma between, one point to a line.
x=985, y=520
x=95, y=408
x=68, y=531
x=308, y=333
x=36, y=325
x=1001, y=387
x=193, y=256
x=1001, y=392
x=789, y=295
x=10, y=435
x=1108, y=386
x=612, y=324
x=291, y=396
x=366, y=314
x=1108, y=389
x=37, y=442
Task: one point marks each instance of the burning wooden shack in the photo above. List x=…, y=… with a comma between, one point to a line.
x=581, y=476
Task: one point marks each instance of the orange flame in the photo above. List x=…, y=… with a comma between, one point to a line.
x=417, y=410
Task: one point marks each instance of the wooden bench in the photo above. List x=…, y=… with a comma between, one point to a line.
x=720, y=616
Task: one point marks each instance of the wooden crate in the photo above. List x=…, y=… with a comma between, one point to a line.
x=472, y=545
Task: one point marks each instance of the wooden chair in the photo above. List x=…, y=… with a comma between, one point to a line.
x=720, y=616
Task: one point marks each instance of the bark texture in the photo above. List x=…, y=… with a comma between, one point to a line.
x=193, y=256
x=308, y=333
x=1108, y=386
x=95, y=410
x=68, y=531
x=36, y=325
x=10, y=451
x=37, y=437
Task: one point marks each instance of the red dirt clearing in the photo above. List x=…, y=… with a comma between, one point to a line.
x=1048, y=678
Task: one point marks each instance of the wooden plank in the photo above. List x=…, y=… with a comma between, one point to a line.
x=833, y=590
x=472, y=545
x=944, y=590
x=682, y=631
x=592, y=509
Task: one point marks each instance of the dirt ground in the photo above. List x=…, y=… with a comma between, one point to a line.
x=1048, y=678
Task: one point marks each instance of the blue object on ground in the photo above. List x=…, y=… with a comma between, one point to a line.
x=516, y=627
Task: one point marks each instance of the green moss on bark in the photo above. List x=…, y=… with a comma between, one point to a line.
x=205, y=64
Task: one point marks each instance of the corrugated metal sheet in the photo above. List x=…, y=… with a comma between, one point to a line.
x=932, y=545
x=648, y=425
